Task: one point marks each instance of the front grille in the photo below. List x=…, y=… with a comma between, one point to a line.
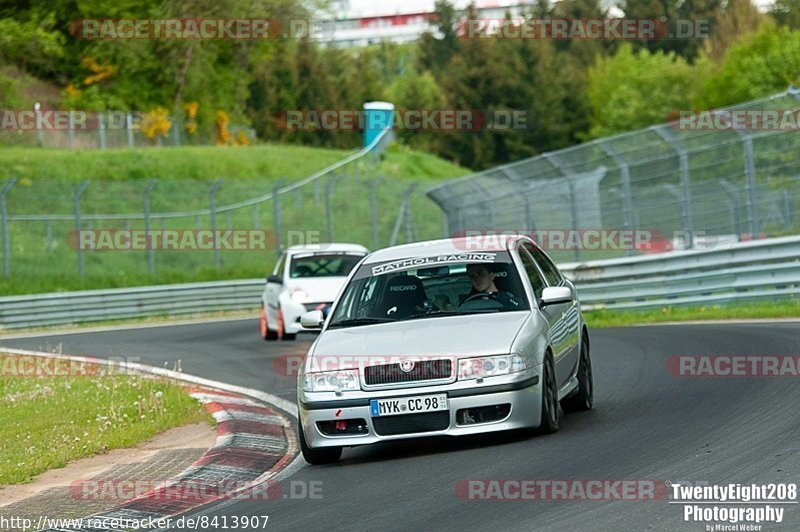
x=425, y=370
x=410, y=423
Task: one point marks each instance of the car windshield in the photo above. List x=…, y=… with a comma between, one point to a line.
x=401, y=290
x=323, y=265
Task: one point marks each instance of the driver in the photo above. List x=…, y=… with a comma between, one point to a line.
x=483, y=283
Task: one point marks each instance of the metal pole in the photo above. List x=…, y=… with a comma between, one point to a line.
x=101, y=130
x=328, y=206
x=627, y=194
x=176, y=134
x=373, y=209
x=683, y=161
x=151, y=260
x=752, y=193
x=213, y=212
x=573, y=214
x=71, y=131
x=276, y=202
x=76, y=198
x=4, y=220
x=129, y=129
x=402, y=214
x=49, y=230
x=255, y=216
x=736, y=205
x=39, y=133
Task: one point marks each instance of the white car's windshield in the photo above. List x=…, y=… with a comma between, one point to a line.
x=319, y=265
x=430, y=286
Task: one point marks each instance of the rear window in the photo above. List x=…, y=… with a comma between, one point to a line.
x=318, y=265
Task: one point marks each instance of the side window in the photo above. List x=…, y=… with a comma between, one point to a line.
x=537, y=283
x=549, y=269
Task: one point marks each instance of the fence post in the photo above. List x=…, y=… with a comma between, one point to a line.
x=129, y=129
x=49, y=231
x=752, y=193
x=101, y=131
x=328, y=206
x=736, y=204
x=151, y=262
x=573, y=211
x=176, y=134
x=627, y=194
x=401, y=216
x=4, y=221
x=213, y=212
x=276, y=202
x=255, y=216
x=76, y=199
x=683, y=160
x=71, y=131
x=373, y=210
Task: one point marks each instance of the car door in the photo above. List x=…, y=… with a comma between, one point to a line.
x=274, y=288
x=556, y=329
x=568, y=313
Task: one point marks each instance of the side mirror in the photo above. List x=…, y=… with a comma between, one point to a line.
x=274, y=279
x=312, y=320
x=553, y=295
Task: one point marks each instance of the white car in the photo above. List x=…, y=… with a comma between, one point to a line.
x=432, y=338
x=305, y=278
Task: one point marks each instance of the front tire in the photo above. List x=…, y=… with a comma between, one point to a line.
x=282, y=334
x=325, y=455
x=583, y=399
x=551, y=410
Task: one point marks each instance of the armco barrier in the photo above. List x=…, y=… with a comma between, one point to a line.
x=760, y=270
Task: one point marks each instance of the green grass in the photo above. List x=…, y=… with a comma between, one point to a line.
x=46, y=422
x=623, y=318
x=48, y=178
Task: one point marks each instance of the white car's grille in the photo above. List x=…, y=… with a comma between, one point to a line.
x=425, y=370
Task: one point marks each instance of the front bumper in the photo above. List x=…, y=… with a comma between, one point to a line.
x=524, y=398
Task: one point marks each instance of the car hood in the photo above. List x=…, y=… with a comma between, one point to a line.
x=482, y=334
x=320, y=289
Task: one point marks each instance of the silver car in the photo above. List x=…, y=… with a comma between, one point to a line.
x=440, y=338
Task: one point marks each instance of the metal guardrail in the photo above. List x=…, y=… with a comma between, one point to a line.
x=762, y=269
x=757, y=270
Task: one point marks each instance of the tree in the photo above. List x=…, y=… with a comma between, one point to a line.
x=632, y=90
x=436, y=52
x=760, y=64
x=737, y=18
x=786, y=13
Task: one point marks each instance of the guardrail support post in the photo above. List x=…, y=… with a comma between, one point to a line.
x=373, y=210
x=151, y=263
x=4, y=221
x=76, y=199
x=213, y=212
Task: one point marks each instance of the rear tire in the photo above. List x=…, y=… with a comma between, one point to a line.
x=551, y=410
x=266, y=334
x=583, y=399
x=325, y=455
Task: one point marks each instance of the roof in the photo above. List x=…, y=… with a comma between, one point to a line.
x=328, y=247
x=445, y=246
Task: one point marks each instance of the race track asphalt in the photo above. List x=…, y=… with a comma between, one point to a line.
x=647, y=425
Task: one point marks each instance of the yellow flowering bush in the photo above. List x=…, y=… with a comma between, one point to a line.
x=156, y=122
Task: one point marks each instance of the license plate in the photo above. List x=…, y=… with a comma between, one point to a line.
x=408, y=405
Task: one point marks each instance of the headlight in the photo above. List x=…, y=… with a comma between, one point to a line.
x=480, y=367
x=331, y=381
x=300, y=296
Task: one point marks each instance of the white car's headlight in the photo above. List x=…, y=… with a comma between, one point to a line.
x=331, y=381
x=480, y=367
x=300, y=296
